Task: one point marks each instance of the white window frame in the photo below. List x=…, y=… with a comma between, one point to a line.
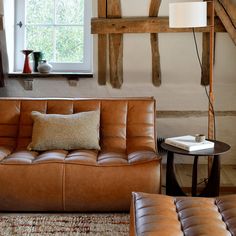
x=85, y=67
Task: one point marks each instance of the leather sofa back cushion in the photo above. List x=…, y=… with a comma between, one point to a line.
x=126, y=125
x=75, y=131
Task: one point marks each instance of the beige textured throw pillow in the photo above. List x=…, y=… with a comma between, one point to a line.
x=75, y=131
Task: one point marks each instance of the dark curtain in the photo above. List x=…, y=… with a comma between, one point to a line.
x=2, y=76
x=3, y=54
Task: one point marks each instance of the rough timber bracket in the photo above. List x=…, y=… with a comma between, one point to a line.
x=110, y=27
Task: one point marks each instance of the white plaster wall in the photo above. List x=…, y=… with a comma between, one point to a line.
x=180, y=89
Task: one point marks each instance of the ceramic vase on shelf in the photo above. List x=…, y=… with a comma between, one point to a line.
x=44, y=67
x=37, y=57
x=27, y=68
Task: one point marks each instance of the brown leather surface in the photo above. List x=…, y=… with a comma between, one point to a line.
x=108, y=188
x=154, y=214
x=9, y=122
x=31, y=187
x=79, y=180
x=82, y=157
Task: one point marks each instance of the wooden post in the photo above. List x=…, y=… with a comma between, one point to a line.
x=156, y=67
x=115, y=46
x=205, y=58
x=102, y=45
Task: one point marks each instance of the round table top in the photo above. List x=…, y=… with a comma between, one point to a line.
x=219, y=148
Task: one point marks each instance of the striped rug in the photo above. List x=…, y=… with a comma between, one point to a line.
x=64, y=224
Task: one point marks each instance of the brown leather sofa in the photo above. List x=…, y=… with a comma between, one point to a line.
x=159, y=215
x=78, y=180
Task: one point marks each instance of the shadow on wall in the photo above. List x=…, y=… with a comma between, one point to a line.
x=3, y=92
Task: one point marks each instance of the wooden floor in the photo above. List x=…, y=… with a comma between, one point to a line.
x=184, y=177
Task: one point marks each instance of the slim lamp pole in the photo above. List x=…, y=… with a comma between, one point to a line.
x=192, y=15
x=211, y=96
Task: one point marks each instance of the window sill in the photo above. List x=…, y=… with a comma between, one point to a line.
x=73, y=77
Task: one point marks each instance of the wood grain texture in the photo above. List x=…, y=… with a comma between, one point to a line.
x=143, y=25
x=113, y=9
x=102, y=45
x=115, y=46
x=187, y=114
x=102, y=59
x=156, y=65
x=226, y=20
x=154, y=7
x=205, y=59
x=102, y=8
x=116, y=60
x=230, y=8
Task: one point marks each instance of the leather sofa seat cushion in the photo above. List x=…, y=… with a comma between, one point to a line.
x=80, y=157
x=155, y=214
x=78, y=180
x=75, y=131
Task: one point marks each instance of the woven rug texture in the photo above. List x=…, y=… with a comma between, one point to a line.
x=64, y=224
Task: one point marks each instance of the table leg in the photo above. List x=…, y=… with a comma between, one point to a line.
x=194, y=177
x=212, y=188
x=172, y=185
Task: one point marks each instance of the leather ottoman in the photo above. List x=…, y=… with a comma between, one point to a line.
x=154, y=214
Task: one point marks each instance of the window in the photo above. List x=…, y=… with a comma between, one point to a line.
x=58, y=28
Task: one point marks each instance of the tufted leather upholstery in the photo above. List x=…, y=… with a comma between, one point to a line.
x=154, y=214
x=78, y=180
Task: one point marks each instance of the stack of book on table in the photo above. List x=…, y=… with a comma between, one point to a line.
x=188, y=143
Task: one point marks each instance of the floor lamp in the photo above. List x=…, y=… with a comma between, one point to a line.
x=191, y=15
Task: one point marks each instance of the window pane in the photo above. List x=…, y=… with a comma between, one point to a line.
x=69, y=44
x=39, y=12
x=70, y=12
x=40, y=38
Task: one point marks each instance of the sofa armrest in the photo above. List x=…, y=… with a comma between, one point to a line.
x=4, y=152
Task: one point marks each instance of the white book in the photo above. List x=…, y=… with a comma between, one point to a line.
x=188, y=143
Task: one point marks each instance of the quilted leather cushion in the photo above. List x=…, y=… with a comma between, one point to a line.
x=160, y=215
x=75, y=131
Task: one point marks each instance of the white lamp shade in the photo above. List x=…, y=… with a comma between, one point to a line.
x=187, y=14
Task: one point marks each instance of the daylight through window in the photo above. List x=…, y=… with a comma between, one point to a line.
x=58, y=28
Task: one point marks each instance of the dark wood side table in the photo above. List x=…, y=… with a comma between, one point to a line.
x=212, y=188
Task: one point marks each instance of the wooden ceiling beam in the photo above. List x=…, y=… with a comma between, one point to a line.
x=142, y=25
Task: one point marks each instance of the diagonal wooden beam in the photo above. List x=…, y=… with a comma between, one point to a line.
x=115, y=46
x=230, y=8
x=102, y=45
x=226, y=20
x=154, y=7
x=156, y=67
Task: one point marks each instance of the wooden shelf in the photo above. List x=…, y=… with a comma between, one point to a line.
x=28, y=79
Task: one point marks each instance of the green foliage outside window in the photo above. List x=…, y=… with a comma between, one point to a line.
x=55, y=27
